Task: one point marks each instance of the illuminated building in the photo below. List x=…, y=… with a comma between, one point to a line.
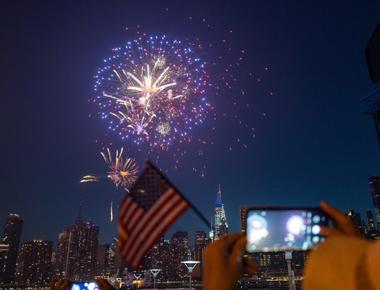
x=220, y=219
x=152, y=258
x=105, y=260
x=163, y=259
x=179, y=251
x=118, y=261
x=200, y=244
x=371, y=233
x=4, y=248
x=77, y=251
x=370, y=220
x=374, y=183
x=11, y=237
x=34, y=266
x=356, y=219
x=273, y=264
x=270, y=264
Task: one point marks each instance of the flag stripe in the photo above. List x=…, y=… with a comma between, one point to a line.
x=146, y=223
x=152, y=211
x=135, y=218
x=125, y=205
x=132, y=206
x=127, y=221
x=149, y=209
x=146, y=218
x=154, y=236
x=123, y=235
x=178, y=208
x=153, y=223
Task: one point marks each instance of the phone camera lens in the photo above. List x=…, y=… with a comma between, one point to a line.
x=316, y=229
x=316, y=219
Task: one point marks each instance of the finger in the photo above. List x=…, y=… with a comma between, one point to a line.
x=236, y=257
x=337, y=217
x=230, y=239
x=341, y=221
x=328, y=232
x=59, y=284
x=66, y=285
x=109, y=286
x=251, y=267
x=52, y=284
x=333, y=213
x=227, y=243
x=101, y=283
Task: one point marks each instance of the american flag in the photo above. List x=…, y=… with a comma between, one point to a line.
x=150, y=208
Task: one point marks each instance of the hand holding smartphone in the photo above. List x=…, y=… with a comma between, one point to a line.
x=284, y=229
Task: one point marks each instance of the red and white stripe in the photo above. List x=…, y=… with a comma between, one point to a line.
x=139, y=230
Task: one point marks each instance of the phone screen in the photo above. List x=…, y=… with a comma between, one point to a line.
x=272, y=230
x=85, y=286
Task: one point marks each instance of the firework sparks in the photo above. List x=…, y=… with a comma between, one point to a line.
x=122, y=172
x=163, y=128
x=88, y=178
x=111, y=211
x=152, y=91
x=155, y=92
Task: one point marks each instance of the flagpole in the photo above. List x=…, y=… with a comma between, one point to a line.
x=192, y=206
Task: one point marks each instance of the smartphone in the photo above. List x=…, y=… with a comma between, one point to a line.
x=271, y=229
x=85, y=286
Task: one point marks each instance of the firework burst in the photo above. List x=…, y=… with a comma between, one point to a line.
x=152, y=91
x=122, y=172
x=88, y=178
x=156, y=92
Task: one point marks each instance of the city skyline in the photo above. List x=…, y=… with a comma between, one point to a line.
x=311, y=141
x=219, y=216
x=219, y=226
x=78, y=255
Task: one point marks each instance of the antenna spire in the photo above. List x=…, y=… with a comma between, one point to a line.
x=79, y=216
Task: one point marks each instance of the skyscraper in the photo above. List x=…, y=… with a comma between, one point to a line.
x=11, y=237
x=371, y=232
x=77, y=250
x=200, y=243
x=374, y=184
x=34, y=267
x=105, y=260
x=164, y=258
x=356, y=219
x=370, y=220
x=4, y=248
x=179, y=251
x=220, y=219
x=151, y=259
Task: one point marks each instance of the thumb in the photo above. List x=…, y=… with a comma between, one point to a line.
x=236, y=257
x=104, y=284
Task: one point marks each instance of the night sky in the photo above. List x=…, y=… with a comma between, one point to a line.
x=312, y=140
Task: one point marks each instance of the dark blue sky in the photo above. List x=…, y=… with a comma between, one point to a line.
x=314, y=143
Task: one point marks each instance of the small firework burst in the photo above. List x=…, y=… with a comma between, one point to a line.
x=88, y=178
x=163, y=128
x=122, y=172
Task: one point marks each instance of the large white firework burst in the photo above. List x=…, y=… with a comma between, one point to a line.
x=153, y=91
